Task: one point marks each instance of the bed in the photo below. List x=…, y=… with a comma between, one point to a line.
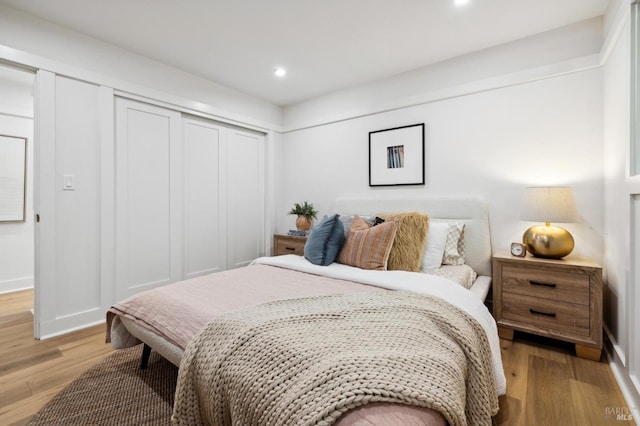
x=193, y=322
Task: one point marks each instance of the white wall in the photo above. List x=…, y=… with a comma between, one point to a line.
x=616, y=89
x=492, y=144
x=620, y=314
x=16, y=239
x=524, y=113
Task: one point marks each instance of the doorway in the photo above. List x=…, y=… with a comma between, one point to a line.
x=17, y=225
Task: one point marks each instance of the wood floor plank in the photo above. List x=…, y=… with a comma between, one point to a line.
x=548, y=395
x=510, y=413
x=592, y=405
x=586, y=371
x=16, y=302
x=12, y=336
x=514, y=360
x=13, y=391
x=21, y=411
x=24, y=317
x=27, y=358
x=516, y=369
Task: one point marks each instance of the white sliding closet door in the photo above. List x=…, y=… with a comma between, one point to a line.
x=68, y=291
x=205, y=239
x=246, y=197
x=148, y=197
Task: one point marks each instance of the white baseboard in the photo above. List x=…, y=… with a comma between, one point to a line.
x=628, y=387
x=16, y=284
x=69, y=323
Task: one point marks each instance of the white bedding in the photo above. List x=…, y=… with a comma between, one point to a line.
x=408, y=281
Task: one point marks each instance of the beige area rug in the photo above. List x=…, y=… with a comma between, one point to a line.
x=116, y=392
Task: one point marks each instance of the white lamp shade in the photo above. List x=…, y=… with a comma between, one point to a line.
x=549, y=204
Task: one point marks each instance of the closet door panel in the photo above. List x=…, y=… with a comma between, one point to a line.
x=146, y=147
x=205, y=241
x=246, y=198
x=66, y=200
x=77, y=146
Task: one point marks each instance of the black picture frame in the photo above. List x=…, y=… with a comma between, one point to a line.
x=397, y=156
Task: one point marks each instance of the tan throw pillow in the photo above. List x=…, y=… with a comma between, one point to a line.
x=408, y=246
x=368, y=247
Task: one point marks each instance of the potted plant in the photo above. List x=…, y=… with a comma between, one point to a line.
x=306, y=213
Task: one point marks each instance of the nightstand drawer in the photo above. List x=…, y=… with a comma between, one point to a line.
x=554, y=285
x=546, y=314
x=287, y=244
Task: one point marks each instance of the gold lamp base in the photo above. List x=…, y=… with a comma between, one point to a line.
x=552, y=242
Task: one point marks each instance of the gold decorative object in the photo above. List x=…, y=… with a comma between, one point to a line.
x=549, y=204
x=548, y=241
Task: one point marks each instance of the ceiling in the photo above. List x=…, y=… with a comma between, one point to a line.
x=325, y=45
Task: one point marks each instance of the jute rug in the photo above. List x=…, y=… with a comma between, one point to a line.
x=116, y=392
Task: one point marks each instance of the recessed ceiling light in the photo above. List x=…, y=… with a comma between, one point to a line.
x=280, y=72
x=461, y=2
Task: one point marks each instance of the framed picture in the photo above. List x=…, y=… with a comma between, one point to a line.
x=13, y=167
x=396, y=156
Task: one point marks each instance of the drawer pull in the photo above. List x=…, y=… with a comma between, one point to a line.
x=547, y=314
x=290, y=248
x=540, y=283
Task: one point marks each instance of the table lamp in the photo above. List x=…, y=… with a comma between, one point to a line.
x=549, y=204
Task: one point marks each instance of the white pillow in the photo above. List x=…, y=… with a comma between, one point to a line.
x=434, y=247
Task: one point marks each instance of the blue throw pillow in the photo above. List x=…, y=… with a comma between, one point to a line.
x=325, y=241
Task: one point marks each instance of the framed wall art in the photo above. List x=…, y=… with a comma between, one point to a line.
x=396, y=156
x=13, y=167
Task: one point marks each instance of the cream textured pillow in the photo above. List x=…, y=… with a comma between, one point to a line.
x=454, y=247
x=368, y=247
x=408, y=246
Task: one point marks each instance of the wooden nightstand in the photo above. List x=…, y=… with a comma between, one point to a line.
x=561, y=299
x=288, y=244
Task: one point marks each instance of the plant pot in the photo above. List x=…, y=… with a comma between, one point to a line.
x=303, y=223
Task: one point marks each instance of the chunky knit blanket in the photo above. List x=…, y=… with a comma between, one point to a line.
x=307, y=361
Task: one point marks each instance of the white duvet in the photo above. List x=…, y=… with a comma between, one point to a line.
x=408, y=281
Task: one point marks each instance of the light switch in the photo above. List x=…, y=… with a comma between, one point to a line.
x=69, y=183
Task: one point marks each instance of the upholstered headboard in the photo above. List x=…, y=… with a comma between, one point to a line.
x=471, y=211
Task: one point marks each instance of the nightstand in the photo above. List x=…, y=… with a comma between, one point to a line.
x=288, y=244
x=561, y=299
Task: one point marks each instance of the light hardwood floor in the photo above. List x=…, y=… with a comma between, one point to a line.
x=33, y=371
x=546, y=384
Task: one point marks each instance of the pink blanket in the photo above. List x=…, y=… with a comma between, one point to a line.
x=178, y=311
